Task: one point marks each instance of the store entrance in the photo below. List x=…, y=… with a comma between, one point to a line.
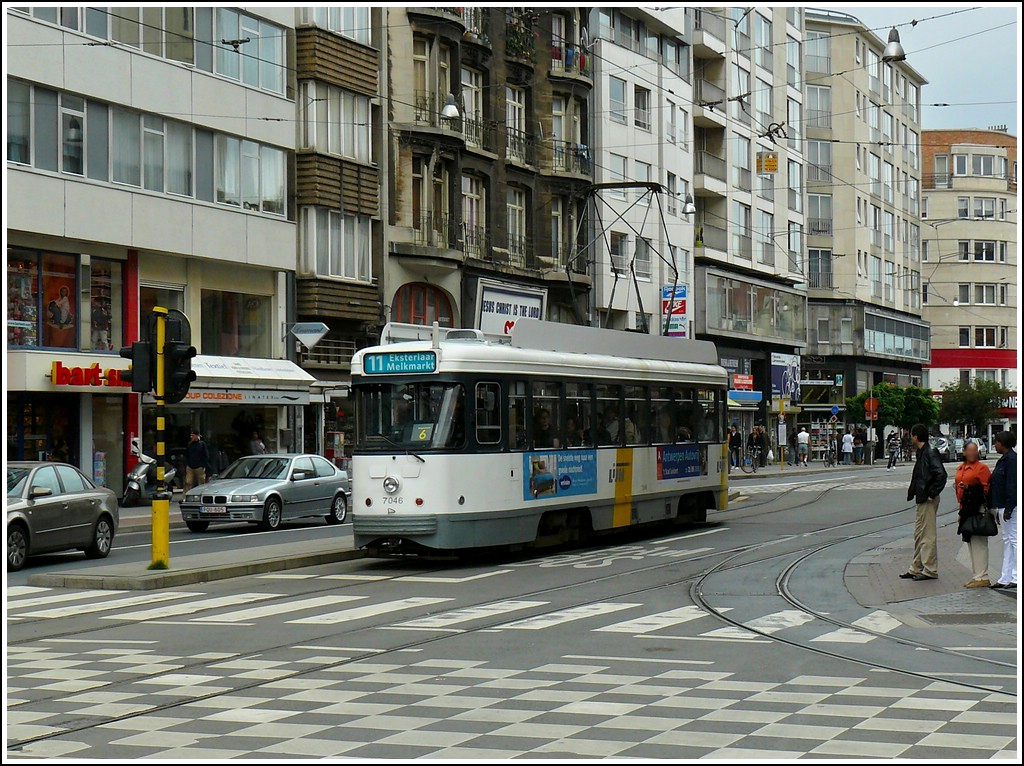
x=44, y=427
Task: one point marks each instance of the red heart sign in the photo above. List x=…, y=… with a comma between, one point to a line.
x=508, y=326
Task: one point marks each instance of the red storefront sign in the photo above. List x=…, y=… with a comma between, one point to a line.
x=743, y=382
x=86, y=376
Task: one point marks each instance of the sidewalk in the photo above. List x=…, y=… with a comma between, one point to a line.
x=794, y=472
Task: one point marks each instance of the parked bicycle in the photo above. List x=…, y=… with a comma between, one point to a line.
x=830, y=457
x=750, y=460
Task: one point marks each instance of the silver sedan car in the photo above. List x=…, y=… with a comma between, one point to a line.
x=269, y=489
x=54, y=507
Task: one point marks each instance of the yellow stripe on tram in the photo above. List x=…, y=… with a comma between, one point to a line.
x=623, y=477
x=723, y=470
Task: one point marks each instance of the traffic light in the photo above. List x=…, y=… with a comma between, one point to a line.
x=178, y=372
x=140, y=374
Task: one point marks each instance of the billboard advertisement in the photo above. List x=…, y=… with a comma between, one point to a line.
x=786, y=376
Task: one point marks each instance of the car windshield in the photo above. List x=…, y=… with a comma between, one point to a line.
x=16, y=477
x=421, y=415
x=257, y=467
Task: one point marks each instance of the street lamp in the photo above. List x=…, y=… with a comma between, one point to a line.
x=450, y=111
x=688, y=207
x=893, y=50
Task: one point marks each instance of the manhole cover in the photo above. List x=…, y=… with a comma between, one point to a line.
x=969, y=618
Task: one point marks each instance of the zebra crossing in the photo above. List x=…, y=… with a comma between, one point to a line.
x=777, y=488
x=190, y=607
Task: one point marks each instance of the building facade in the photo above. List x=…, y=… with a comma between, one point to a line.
x=147, y=165
x=969, y=258
x=864, y=258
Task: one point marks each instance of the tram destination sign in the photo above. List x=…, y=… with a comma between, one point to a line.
x=400, y=363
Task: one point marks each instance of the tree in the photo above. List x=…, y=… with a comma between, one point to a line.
x=919, y=406
x=890, y=405
x=971, y=405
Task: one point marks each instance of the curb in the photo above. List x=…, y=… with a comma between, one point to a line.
x=170, y=578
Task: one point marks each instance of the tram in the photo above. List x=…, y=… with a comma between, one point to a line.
x=560, y=432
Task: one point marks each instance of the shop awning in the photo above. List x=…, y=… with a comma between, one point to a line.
x=242, y=380
x=743, y=400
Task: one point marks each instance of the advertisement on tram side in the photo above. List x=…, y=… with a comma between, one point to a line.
x=680, y=461
x=563, y=473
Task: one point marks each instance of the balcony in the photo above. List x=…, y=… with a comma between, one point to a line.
x=570, y=157
x=768, y=253
x=520, y=42
x=520, y=146
x=568, y=60
x=708, y=164
x=475, y=20
x=821, y=64
x=478, y=133
x=742, y=178
x=742, y=246
x=708, y=236
x=434, y=230
x=329, y=352
x=821, y=173
x=820, y=280
x=520, y=251
x=708, y=34
x=476, y=241
x=819, y=227
x=819, y=118
x=709, y=105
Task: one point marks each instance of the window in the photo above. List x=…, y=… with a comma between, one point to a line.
x=473, y=106
x=963, y=207
x=336, y=244
x=672, y=189
x=740, y=87
x=617, y=99
x=336, y=121
x=1003, y=292
x=19, y=122
x=348, y=21
x=983, y=164
x=241, y=326
x=818, y=52
x=72, y=132
x=985, y=337
x=959, y=164
x=793, y=62
x=819, y=214
x=819, y=106
x=740, y=225
x=763, y=40
x=488, y=413
x=793, y=123
x=965, y=337
x=763, y=242
x=964, y=250
x=617, y=250
x=1002, y=209
x=845, y=330
x=515, y=207
x=984, y=207
x=984, y=250
x=963, y=293
x=250, y=175
x=823, y=330
x=763, y=103
x=887, y=131
x=153, y=153
x=670, y=122
x=684, y=129
x=260, y=62
x=579, y=430
x=965, y=376
x=795, y=187
x=643, y=173
x=642, y=107
x=642, y=261
x=985, y=295
x=887, y=178
x=422, y=304
x=617, y=174
x=741, y=176
x=474, y=215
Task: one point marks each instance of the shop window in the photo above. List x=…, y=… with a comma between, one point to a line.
x=107, y=315
x=422, y=304
x=165, y=297
x=240, y=324
x=22, y=300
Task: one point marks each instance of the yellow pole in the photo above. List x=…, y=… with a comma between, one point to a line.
x=162, y=499
x=781, y=432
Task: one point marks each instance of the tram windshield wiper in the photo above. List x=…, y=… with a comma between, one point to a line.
x=399, y=446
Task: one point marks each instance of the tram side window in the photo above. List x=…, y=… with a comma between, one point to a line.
x=607, y=426
x=690, y=414
x=547, y=415
x=578, y=415
x=635, y=415
x=709, y=427
x=664, y=416
x=488, y=413
x=517, y=415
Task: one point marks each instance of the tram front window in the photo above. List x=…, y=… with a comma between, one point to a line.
x=411, y=415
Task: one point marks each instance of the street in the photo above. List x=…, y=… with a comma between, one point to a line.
x=777, y=630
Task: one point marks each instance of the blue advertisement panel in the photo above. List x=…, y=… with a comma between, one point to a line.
x=563, y=473
x=682, y=460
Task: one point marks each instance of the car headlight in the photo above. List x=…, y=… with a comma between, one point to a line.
x=245, y=498
x=192, y=498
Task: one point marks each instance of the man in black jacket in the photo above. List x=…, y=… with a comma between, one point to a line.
x=925, y=485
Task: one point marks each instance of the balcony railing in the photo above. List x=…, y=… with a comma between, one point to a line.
x=711, y=23
x=519, y=37
x=476, y=241
x=434, y=230
x=570, y=157
x=478, y=133
x=520, y=251
x=709, y=236
x=475, y=20
x=571, y=59
x=711, y=165
x=709, y=93
x=742, y=176
x=819, y=118
x=520, y=146
x=820, y=280
x=768, y=253
x=742, y=246
x=329, y=352
x=814, y=63
x=819, y=172
x=766, y=187
x=819, y=227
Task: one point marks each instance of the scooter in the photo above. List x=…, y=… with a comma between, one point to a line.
x=140, y=484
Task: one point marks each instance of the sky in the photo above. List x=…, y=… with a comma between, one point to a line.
x=964, y=57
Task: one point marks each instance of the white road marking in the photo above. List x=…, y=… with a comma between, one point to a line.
x=271, y=609
x=176, y=610
x=432, y=578
x=456, y=616
x=656, y=621
x=773, y=623
x=56, y=598
x=358, y=577
x=563, y=616
x=845, y=636
x=21, y=590
x=371, y=610
x=622, y=658
x=879, y=621
x=103, y=606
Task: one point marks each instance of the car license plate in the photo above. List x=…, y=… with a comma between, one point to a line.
x=213, y=509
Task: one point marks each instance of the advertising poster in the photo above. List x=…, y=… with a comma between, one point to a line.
x=59, y=301
x=786, y=376
x=563, y=473
x=673, y=308
x=680, y=461
x=500, y=306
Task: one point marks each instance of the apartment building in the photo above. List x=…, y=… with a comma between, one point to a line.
x=864, y=259
x=643, y=102
x=488, y=152
x=749, y=248
x=148, y=155
x=969, y=258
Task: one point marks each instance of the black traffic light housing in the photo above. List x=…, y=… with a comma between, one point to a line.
x=141, y=373
x=178, y=372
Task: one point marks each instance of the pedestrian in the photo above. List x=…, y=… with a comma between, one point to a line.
x=848, y=448
x=1003, y=488
x=762, y=446
x=256, y=445
x=196, y=459
x=926, y=483
x=892, y=444
x=735, y=447
x=803, y=445
x=792, y=457
x=972, y=487
x=858, y=448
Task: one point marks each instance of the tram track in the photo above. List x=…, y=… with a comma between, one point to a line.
x=695, y=580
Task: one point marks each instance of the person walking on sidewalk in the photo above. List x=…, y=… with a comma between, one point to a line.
x=196, y=459
x=927, y=482
x=892, y=444
x=848, y=448
x=803, y=444
x=735, y=447
x=972, y=487
x=1003, y=487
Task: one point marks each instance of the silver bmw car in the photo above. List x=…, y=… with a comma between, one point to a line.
x=269, y=489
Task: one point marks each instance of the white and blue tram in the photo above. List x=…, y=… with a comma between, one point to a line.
x=468, y=442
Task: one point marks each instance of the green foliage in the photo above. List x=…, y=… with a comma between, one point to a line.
x=897, y=406
x=971, y=404
x=919, y=406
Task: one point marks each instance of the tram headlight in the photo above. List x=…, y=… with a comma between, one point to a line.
x=391, y=485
